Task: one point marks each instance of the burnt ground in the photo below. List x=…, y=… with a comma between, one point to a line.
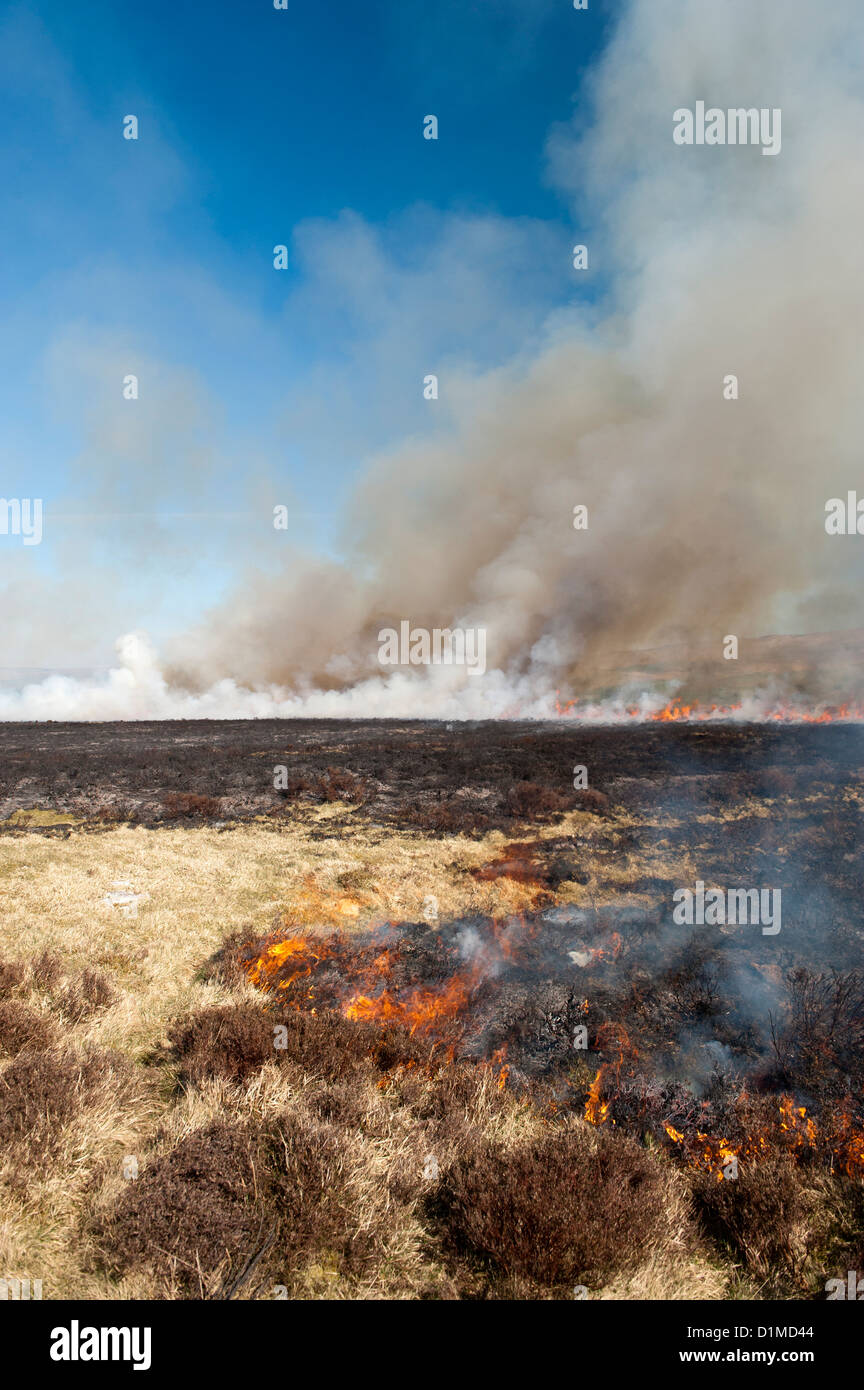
x=737, y=806
x=461, y=777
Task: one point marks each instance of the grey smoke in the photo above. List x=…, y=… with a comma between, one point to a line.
x=706, y=516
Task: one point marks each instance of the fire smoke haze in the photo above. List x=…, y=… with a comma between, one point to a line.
x=706, y=516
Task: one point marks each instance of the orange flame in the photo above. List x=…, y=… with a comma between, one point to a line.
x=597, y=1110
x=694, y=712
x=498, y=1057
x=279, y=953
x=794, y=1132
x=419, y=1009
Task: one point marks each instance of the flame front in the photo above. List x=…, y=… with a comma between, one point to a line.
x=419, y=1008
x=676, y=712
x=794, y=1132
x=371, y=978
x=356, y=978
x=292, y=949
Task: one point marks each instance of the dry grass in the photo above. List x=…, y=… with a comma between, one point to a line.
x=125, y=1045
x=77, y=970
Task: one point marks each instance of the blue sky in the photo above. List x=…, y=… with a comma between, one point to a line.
x=257, y=127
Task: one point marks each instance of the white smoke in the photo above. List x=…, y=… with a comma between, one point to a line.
x=137, y=688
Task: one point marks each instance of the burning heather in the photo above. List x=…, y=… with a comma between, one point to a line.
x=697, y=1039
x=678, y=712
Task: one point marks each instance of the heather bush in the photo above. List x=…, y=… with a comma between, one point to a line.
x=574, y=1206
x=234, y=1197
x=185, y=805
x=21, y=1028
x=531, y=800
x=232, y=1041
x=192, y=1212
x=45, y=971
x=757, y=1216
x=11, y=977
x=86, y=996
x=40, y=1092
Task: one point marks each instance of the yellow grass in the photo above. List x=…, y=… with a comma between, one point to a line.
x=200, y=885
